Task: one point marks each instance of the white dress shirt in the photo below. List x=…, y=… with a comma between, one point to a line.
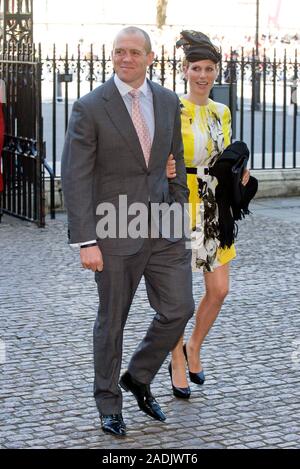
x=146, y=101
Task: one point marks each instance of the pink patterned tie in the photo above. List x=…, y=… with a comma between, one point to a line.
x=140, y=125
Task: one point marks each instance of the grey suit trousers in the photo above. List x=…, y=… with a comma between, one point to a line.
x=166, y=267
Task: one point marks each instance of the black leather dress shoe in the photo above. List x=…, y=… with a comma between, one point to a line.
x=113, y=424
x=182, y=393
x=142, y=393
x=197, y=378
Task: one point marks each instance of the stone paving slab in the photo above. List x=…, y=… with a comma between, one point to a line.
x=251, y=398
x=287, y=209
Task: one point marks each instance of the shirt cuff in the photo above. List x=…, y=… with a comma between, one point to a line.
x=79, y=245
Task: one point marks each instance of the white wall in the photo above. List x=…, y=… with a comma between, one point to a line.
x=98, y=20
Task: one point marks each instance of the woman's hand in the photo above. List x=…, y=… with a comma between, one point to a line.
x=245, y=177
x=171, y=167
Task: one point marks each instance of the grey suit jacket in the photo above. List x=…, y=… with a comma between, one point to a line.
x=103, y=158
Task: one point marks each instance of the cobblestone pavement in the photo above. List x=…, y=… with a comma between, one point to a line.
x=251, y=398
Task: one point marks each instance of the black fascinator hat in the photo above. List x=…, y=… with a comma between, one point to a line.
x=198, y=46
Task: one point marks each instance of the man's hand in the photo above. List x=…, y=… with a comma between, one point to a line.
x=171, y=167
x=91, y=258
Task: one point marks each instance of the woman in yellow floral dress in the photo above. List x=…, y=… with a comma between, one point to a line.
x=206, y=132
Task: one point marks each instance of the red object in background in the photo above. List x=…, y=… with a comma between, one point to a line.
x=1, y=143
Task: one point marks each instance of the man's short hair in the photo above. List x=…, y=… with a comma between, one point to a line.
x=136, y=30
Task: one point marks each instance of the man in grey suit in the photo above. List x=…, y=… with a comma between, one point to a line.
x=105, y=155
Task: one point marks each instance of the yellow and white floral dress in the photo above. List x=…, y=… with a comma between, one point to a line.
x=206, y=132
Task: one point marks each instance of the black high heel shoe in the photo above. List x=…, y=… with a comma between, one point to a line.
x=182, y=393
x=197, y=378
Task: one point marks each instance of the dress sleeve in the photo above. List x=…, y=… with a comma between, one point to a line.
x=226, y=124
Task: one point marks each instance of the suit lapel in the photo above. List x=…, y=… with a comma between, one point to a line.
x=159, y=107
x=117, y=111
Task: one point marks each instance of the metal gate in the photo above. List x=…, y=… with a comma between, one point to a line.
x=23, y=153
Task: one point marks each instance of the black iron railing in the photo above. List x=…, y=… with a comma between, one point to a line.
x=261, y=92
x=23, y=152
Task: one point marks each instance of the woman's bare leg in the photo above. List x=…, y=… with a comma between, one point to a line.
x=179, y=366
x=216, y=290
x=217, y=287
